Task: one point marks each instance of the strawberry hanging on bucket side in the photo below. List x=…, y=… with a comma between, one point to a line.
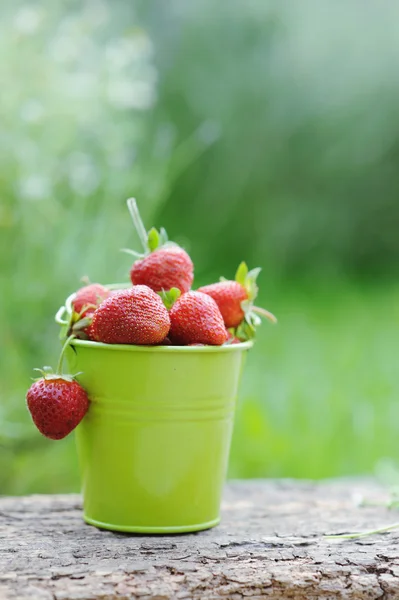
x=57, y=403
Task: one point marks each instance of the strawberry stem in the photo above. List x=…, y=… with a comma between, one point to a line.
x=264, y=313
x=64, y=347
x=132, y=252
x=353, y=536
x=85, y=279
x=138, y=223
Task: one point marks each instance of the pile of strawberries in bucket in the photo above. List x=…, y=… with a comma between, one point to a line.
x=158, y=309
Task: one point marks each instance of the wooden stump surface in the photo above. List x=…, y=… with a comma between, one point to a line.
x=270, y=545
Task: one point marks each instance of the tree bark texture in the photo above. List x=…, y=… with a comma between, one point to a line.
x=270, y=544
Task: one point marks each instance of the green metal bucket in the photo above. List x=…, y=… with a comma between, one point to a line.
x=155, y=443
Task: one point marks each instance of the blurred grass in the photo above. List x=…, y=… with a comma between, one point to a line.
x=318, y=396
x=257, y=131
x=320, y=392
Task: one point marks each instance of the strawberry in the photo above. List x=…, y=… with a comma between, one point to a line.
x=57, y=405
x=164, y=269
x=196, y=319
x=235, y=301
x=56, y=402
x=163, y=265
x=83, y=305
x=228, y=295
x=88, y=298
x=133, y=316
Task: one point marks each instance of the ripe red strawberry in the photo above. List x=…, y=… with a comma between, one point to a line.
x=133, y=316
x=57, y=405
x=235, y=301
x=163, y=269
x=84, y=303
x=228, y=295
x=88, y=298
x=164, y=265
x=196, y=319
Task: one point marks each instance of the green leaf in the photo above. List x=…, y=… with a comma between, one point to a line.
x=248, y=319
x=253, y=273
x=250, y=283
x=255, y=319
x=132, y=252
x=264, y=313
x=82, y=324
x=246, y=306
x=245, y=331
x=153, y=239
x=169, y=297
x=164, y=236
x=250, y=322
x=241, y=273
x=175, y=293
x=252, y=289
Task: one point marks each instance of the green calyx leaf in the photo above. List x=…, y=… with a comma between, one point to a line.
x=241, y=274
x=153, y=239
x=47, y=373
x=46, y=369
x=132, y=253
x=76, y=324
x=253, y=273
x=252, y=313
x=246, y=306
x=248, y=279
x=264, y=313
x=169, y=297
x=81, y=324
x=158, y=239
x=164, y=236
x=252, y=319
x=245, y=331
x=247, y=328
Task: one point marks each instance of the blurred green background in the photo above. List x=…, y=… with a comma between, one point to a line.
x=264, y=131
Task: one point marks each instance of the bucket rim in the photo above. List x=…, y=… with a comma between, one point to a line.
x=162, y=349
x=67, y=308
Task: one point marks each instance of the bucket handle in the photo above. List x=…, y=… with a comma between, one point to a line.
x=67, y=308
x=58, y=317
